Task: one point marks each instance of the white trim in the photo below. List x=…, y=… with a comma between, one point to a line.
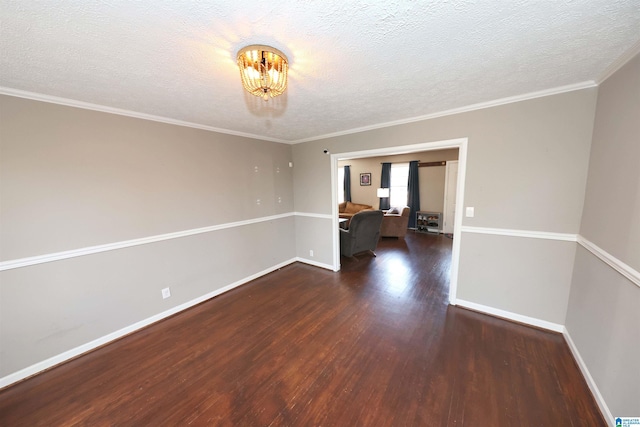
x=401, y=149
x=521, y=233
x=447, y=227
x=314, y=215
x=496, y=312
x=40, y=259
x=555, y=328
x=466, y=109
x=473, y=107
x=335, y=242
x=315, y=263
x=335, y=226
x=626, y=270
x=602, y=404
x=84, y=348
x=457, y=221
x=128, y=113
x=620, y=62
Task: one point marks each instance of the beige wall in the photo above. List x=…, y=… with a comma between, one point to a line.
x=526, y=170
x=602, y=317
x=527, y=161
x=431, y=178
x=530, y=277
x=611, y=217
x=72, y=178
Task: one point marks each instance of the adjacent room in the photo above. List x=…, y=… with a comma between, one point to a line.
x=172, y=199
x=432, y=179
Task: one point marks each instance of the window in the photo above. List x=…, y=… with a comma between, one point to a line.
x=399, y=182
x=341, y=185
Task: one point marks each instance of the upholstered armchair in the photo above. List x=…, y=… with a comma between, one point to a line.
x=363, y=233
x=395, y=224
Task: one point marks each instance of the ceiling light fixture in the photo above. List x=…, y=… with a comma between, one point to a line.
x=263, y=70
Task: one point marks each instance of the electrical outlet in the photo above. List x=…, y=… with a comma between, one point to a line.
x=166, y=293
x=311, y=252
x=470, y=212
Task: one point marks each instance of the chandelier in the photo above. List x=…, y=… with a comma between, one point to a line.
x=263, y=70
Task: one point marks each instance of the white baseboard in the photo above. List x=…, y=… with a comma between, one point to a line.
x=555, y=328
x=587, y=376
x=532, y=321
x=84, y=348
x=315, y=263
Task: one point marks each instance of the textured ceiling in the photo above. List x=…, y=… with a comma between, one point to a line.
x=353, y=64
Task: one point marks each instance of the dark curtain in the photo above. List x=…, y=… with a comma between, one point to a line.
x=385, y=182
x=347, y=184
x=413, y=193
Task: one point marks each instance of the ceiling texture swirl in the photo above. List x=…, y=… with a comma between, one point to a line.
x=353, y=64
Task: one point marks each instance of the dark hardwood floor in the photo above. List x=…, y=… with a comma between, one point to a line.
x=373, y=345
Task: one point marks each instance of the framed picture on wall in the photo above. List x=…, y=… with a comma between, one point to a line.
x=365, y=179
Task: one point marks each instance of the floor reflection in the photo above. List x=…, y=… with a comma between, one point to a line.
x=397, y=274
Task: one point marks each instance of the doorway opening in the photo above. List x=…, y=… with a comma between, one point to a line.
x=460, y=144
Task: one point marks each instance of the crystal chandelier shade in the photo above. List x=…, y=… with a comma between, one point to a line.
x=263, y=71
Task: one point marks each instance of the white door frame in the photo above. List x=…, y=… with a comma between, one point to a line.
x=446, y=211
x=460, y=144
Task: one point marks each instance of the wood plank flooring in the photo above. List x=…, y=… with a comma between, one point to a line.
x=373, y=345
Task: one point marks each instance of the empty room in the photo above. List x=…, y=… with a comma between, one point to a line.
x=320, y=213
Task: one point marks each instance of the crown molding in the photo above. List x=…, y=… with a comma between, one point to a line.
x=128, y=113
x=473, y=107
x=627, y=56
x=466, y=109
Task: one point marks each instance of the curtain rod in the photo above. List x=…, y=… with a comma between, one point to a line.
x=401, y=162
x=425, y=164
